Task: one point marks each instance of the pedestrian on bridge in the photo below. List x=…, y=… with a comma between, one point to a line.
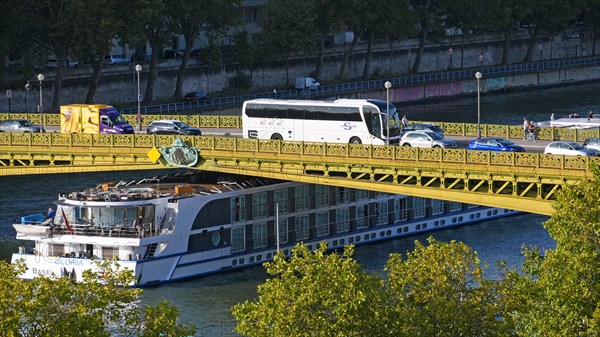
x=404, y=120
x=525, y=128
x=140, y=119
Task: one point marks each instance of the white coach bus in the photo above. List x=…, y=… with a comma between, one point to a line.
x=355, y=121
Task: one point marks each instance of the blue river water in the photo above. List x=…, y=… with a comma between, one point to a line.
x=206, y=301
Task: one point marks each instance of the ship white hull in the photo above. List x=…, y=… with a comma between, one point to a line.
x=190, y=265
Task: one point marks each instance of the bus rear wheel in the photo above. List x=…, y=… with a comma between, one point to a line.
x=355, y=140
x=276, y=136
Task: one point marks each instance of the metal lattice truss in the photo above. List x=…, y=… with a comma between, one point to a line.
x=519, y=181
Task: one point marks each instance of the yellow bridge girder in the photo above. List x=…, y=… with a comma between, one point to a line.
x=519, y=181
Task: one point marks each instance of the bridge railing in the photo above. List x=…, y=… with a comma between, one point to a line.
x=290, y=151
x=450, y=129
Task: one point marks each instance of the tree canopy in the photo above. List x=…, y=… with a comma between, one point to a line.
x=439, y=289
x=100, y=306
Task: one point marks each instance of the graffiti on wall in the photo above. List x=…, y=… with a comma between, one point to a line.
x=406, y=94
x=443, y=89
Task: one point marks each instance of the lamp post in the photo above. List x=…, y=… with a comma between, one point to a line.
x=138, y=68
x=478, y=77
x=40, y=78
x=27, y=89
x=387, y=86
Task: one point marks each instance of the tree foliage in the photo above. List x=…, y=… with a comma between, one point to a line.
x=439, y=288
x=313, y=293
x=560, y=294
x=100, y=306
x=287, y=29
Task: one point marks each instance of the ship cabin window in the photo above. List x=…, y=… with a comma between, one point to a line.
x=321, y=195
x=437, y=207
x=110, y=252
x=381, y=210
x=362, y=216
x=302, y=230
x=281, y=199
x=380, y=194
x=342, y=217
x=400, y=209
x=301, y=197
x=472, y=206
x=102, y=217
x=342, y=195
x=419, y=207
x=283, y=230
x=322, y=224
x=455, y=206
x=259, y=205
x=237, y=209
x=238, y=243
x=56, y=250
x=259, y=235
x=362, y=195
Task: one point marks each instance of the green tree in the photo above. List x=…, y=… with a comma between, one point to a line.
x=287, y=29
x=591, y=19
x=439, y=290
x=99, y=306
x=324, y=19
x=551, y=15
x=54, y=34
x=429, y=15
x=190, y=17
x=314, y=293
x=560, y=293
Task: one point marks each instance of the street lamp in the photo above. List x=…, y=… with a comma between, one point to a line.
x=40, y=78
x=138, y=68
x=478, y=77
x=387, y=86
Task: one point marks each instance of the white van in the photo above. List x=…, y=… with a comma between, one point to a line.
x=306, y=83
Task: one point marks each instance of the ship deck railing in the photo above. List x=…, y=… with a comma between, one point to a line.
x=115, y=232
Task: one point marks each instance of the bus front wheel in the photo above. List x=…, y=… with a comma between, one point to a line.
x=276, y=136
x=355, y=140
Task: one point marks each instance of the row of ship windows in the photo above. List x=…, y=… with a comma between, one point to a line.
x=371, y=236
x=259, y=203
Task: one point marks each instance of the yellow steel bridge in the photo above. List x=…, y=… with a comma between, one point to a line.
x=520, y=181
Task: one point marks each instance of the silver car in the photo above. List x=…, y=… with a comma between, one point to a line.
x=592, y=143
x=18, y=125
x=569, y=149
x=426, y=139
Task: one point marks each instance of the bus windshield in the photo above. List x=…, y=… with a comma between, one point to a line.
x=393, y=122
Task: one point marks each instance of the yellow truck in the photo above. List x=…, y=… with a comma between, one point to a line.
x=92, y=118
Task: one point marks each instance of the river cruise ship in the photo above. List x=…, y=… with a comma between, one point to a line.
x=197, y=223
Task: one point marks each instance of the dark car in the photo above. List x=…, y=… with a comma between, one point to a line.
x=494, y=144
x=195, y=96
x=172, y=127
x=18, y=125
x=423, y=127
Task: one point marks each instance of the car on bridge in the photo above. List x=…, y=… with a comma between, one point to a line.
x=18, y=125
x=569, y=149
x=426, y=139
x=172, y=127
x=494, y=144
x=592, y=143
x=425, y=127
